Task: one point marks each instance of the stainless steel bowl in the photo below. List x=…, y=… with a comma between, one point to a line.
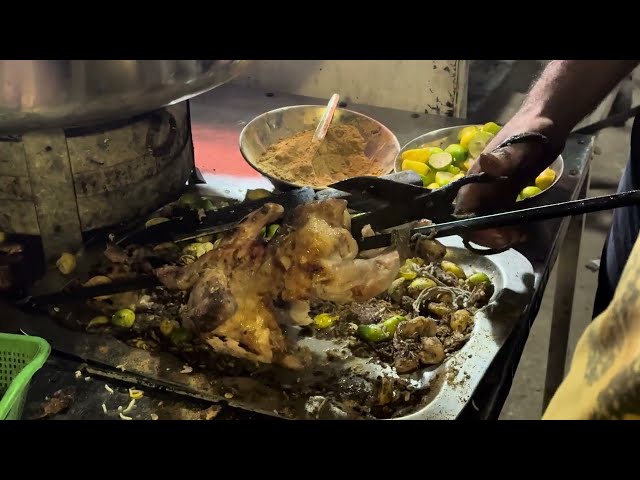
x=269, y=128
x=446, y=136
x=36, y=94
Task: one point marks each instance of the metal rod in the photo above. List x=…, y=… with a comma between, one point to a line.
x=563, y=303
x=607, y=122
x=82, y=293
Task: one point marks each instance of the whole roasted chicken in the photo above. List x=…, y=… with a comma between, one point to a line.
x=242, y=292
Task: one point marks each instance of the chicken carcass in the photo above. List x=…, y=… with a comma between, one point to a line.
x=234, y=288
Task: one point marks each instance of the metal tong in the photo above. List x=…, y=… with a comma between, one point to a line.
x=392, y=205
x=188, y=227
x=192, y=224
x=398, y=204
x=406, y=203
x=403, y=204
x=505, y=219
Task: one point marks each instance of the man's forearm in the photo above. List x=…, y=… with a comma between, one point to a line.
x=568, y=90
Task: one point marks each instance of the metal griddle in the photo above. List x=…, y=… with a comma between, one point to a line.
x=451, y=383
x=283, y=393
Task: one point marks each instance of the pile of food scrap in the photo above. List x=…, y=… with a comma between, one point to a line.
x=342, y=153
x=148, y=319
x=426, y=314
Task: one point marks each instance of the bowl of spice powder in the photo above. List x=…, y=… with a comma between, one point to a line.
x=278, y=145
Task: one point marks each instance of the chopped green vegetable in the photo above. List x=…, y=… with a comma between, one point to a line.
x=428, y=179
x=529, y=192
x=444, y=178
x=372, y=333
x=491, y=127
x=179, y=336
x=414, y=261
x=391, y=324
x=407, y=272
x=190, y=199
x=155, y=221
x=195, y=202
x=167, y=326
x=124, y=318
x=325, y=320
x=458, y=152
x=269, y=232
x=203, y=248
x=420, y=284
x=478, y=278
x=452, y=268
x=440, y=161
x=417, y=167
x=198, y=249
x=416, y=155
x=191, y=249
x=466, y=134
x=478, y=143
x=98, y=321
x=97, y=280
x=66, y=263
x=257, y=194
x=396, y=290
x=379, y=332
x=207, y=205
x=433, y=150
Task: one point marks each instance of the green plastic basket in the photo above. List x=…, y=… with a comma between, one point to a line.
x=21, y=357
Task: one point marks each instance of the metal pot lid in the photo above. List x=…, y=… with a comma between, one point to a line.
x=39, y=94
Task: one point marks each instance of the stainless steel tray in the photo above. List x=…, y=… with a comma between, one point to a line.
x=513, y=277
x=278, y=392
x=457, y=378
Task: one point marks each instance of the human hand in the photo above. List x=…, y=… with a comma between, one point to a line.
x=520, y=163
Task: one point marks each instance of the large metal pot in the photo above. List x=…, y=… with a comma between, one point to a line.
x=59, y=183
x=39, y=94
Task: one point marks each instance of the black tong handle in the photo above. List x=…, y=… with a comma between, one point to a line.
x=185, y=227
x=513, y=218
x=435, y=205
x=83, y=293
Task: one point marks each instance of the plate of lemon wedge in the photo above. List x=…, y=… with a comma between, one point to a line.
x=447, y=154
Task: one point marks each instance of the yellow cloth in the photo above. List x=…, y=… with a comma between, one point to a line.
x=604, y=378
